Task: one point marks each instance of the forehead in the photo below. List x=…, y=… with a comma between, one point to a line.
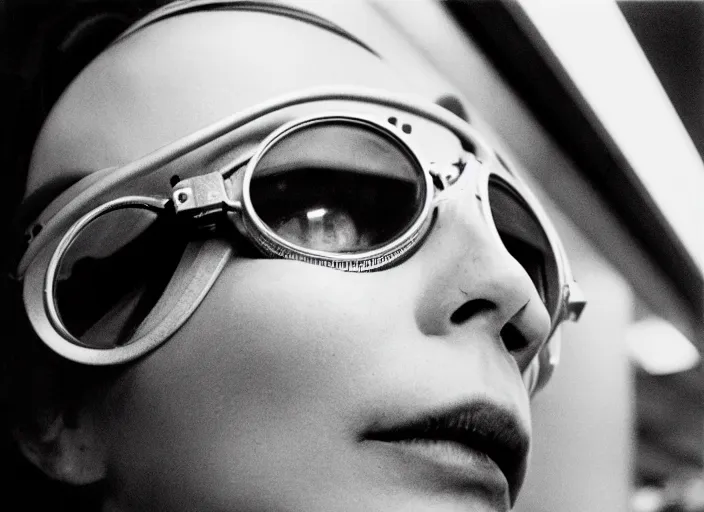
x=183, y=73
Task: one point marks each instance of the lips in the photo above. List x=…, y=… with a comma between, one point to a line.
x=478, y=427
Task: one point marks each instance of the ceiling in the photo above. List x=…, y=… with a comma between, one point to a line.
x=671, y=34
x=669, y=409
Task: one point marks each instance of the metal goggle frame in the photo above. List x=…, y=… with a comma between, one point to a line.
x=227, y=192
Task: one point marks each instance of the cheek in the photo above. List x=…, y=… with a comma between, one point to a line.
x=264, y=379
x=276, y=375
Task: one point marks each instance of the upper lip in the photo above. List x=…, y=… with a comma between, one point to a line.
x=480, y=425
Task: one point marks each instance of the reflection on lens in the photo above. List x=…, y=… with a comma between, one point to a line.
x=526, y=240
x=114, y=272
x=338, y=186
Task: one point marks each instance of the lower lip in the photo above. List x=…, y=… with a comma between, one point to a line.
x=451, y=465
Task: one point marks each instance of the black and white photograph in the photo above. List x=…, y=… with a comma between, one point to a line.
x=352, y=255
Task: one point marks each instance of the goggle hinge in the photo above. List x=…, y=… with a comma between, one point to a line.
x=204, y=199
x=574, y=301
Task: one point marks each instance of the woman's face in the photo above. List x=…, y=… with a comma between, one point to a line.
x=295, y=387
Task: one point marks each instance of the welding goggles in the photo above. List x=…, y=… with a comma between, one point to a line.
x=120, y=260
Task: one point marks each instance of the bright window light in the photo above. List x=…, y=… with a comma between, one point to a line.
x=594, y=44
x=659, y=348
x=316, y=214
x=647, y=499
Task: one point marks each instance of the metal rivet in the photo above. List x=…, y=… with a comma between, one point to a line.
x=182, y=197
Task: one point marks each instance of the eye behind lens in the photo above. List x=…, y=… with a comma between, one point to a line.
x=338, y=186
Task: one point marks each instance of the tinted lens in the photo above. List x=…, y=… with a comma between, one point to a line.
x=338, y=186
x=112, y=275
x=525, y=239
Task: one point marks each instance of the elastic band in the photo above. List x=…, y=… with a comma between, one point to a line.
x=195, y=273
x=186, y=290
x=187, y=6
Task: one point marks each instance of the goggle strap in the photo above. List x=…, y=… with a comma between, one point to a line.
x=201, y=264
x=548, y=358
x=185, y=6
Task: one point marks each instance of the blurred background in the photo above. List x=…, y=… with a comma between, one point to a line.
x=601, y=104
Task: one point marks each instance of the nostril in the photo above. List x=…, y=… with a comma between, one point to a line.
x=513, y=339
x=471, y=308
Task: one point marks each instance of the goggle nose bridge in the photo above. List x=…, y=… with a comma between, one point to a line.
x=205, y=197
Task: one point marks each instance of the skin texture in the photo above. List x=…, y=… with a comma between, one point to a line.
x=259, y=401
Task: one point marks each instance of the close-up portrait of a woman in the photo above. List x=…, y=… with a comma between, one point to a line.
x=257, y=266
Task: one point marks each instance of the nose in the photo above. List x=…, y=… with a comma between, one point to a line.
x=472, y=282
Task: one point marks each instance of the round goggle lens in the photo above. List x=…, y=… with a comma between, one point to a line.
x=525, y=239
x=114, y=272
x=338, y=186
